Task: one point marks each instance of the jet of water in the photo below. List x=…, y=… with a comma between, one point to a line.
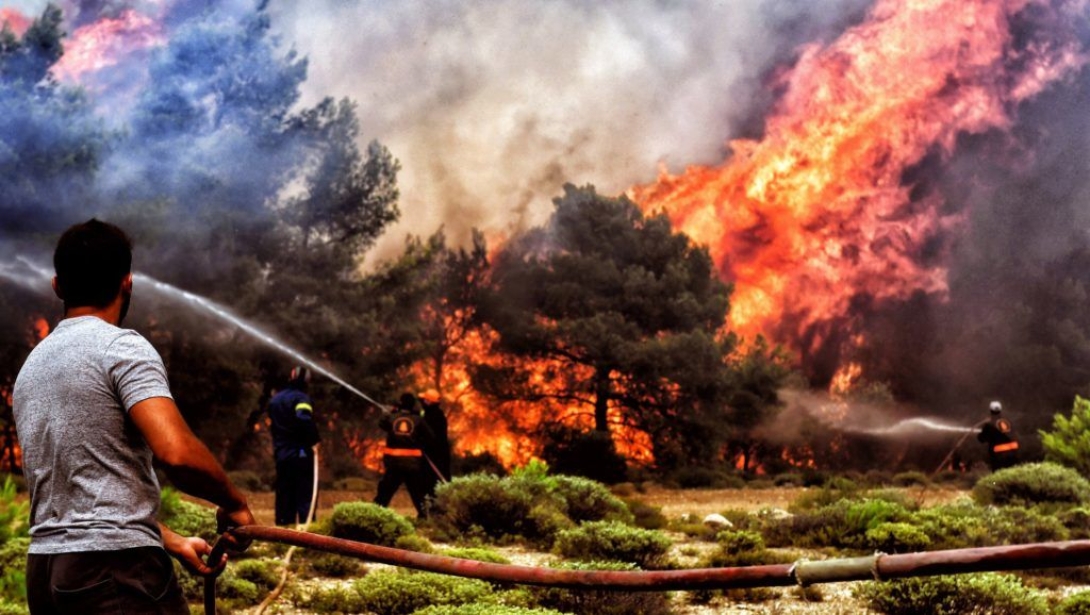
x=914, y=424
x=31, y=275
x=213, y=308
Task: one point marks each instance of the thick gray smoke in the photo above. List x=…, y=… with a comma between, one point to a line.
x=493, y=105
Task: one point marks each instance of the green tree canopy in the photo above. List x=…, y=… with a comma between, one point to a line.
x=629, y=311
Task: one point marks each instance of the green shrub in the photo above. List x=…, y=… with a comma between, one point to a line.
x=14, y=513
x=740, y=548
x=1075, y=604
x=586, y=602
x=13, y=608
x=897, y=538
x=264, y=573
x=414, y=542
x=645, y=515
x=842, y=524
x=611, y=541
x=1032, y=483
x=368, y=522
x=587, y=500
x=522, y=506
x=333, y=565
x=12, y=567
x=483, y=609
x=185, y=517
x=397, y=592
x=969, y=594
x=1067, y=444
x=1077, y=522
x=477, y=554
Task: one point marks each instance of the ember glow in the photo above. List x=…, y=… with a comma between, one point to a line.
x=817, y=213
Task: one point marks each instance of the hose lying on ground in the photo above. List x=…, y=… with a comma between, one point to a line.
x=879, y=566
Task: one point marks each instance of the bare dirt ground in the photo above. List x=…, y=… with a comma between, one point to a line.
x=835, y=598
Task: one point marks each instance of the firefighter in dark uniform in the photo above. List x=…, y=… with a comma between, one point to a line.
x=437, y=455
x=997, y=434
x=403, y=458
x=295, y=435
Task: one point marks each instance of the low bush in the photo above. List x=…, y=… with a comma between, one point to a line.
x=740, y=548
x=12, y=570
x=14, y=512
x=1075, y=604
x=586, y=602
x=611, y=541
x=368, y=522
x=897, y=538
x=397, y=592
x=333, y=565
x=586, y=500
x=477, y=554
x=185, y=517
x=264, y=573
x=843, y=524
x=990, y=593
x=13, y=608
x=1032, y=483
x=485, y=504
x=646, y=516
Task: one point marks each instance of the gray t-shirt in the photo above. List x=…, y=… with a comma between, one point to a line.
x=89, y=470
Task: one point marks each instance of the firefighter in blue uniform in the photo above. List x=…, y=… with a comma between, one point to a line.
x=403, y=458
x=999, y=437
x=295, y=435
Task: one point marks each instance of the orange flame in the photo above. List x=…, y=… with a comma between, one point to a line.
x=510, y=430
x=101, y=44
x=816, y=213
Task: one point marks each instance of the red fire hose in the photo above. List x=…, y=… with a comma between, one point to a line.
x=879, y=566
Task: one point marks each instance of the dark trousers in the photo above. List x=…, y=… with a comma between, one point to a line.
x=138, y=581
x=403, y=470
x=294, y=487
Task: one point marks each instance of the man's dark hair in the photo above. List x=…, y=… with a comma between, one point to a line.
x=91, y=261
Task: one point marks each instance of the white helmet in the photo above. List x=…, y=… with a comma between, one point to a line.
x=996, y=406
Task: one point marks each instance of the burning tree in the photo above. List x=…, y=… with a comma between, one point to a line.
x=628, y=314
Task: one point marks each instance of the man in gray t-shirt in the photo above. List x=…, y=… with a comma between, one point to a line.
x=92, y=409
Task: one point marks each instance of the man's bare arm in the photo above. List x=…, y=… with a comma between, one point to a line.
x=186, y=461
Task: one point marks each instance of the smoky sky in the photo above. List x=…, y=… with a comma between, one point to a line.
x=492, y=106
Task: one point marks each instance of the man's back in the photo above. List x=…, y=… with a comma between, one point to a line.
x=88, y=468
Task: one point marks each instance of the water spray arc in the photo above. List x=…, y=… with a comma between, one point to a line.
x=213, y=308
x=31, y=275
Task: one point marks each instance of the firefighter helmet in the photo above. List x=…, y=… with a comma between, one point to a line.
x=431, y=396
x=996, y=407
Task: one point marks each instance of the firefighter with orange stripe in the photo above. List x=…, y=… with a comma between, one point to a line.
x=998, y=435
x=295, y=434
x=407, y=435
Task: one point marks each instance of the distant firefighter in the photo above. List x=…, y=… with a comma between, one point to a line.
x=997, y=434
x=437, y=454
x=295, y=435
x=407, y=435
